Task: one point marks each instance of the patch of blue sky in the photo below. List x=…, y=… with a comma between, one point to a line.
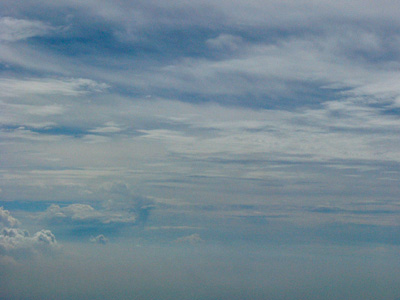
x=394, y=111
x=156, y=45
x=53, y=130
x=352, y=234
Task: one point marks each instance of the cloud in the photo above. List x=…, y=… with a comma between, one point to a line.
x=123, y=199
x=225, y=42
x=49, y=86
x=19, y=244
x=33, y=110
x=108, y=128
x=120, y=210
x=12, y=29
x=100, y=239
x=289, y=98
x=269, y=146
x=320, y=66
x=6, y=220
x=86, y=215
x=190, y=239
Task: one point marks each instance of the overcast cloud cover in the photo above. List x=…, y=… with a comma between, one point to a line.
x=244, y=140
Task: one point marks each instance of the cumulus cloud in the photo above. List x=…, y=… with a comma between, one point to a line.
x=6, y=220
x=18, y=243
x=100, y=239
x=122, y=199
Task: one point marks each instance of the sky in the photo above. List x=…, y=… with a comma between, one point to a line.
x=199, y=149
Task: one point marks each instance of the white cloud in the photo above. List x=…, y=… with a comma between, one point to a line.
x=185, y=140
x=82, y=214
x=235, y=13
x=165, y=144
x=49, y=86
x=225, y=42
x=100, y=239
x=278, y=70
x=43, y=111
x=6, y=220
x=308, y=134
x=109, y=127
x=17, y=243
x=190, y=239
x=12, y=29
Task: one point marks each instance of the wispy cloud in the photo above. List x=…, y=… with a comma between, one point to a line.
x=190, y=239
x=42, y=86
x=12, y=29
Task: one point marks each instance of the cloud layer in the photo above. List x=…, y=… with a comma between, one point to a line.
x=212, y=103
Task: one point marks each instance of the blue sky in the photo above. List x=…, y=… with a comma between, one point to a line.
x=194, y=125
